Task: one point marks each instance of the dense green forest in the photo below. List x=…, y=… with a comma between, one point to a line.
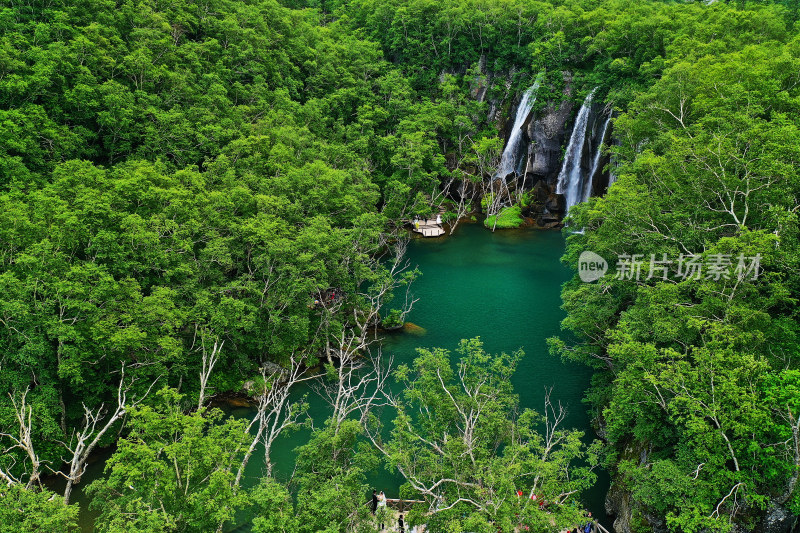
x=201, y=198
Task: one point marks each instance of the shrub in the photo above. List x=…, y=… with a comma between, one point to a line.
x=509, y=217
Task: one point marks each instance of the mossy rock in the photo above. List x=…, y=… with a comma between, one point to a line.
x=509, y=217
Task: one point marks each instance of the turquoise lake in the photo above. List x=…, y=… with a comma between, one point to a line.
x=503, y=287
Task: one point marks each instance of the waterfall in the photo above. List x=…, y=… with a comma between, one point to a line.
x=570, y=179
x=587, y=189
x=510, y=154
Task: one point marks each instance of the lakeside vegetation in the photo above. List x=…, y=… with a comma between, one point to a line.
x=508, y=217
x=205, y=197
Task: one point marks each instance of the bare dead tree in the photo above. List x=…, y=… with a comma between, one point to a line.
x=96, y=423
x=553, y=418
x=735, y=506
x=275, y=413
x=359, y=384
x=434, y=489
x=466, y=484
x=793, y=445
x=7, y=478
x=463, y=187
x=500, y=195
x=348, y=346
x=487, y=162
x=463, y=183
x=466, y=420
x=23, y=441
x=468, y=417
x=208, y=362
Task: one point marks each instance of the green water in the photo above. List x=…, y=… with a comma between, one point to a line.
x=502, y=286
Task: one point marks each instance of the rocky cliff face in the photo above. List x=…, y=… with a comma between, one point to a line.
x=779, y=520
x=546, y=132
x=500, y=108
x=631, y=516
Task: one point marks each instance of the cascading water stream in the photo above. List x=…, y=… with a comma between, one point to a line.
x=510, y=154
x=570, y=179
x=598, y=155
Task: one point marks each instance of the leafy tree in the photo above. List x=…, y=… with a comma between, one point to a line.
x=175, y=176
x=273, y=509
x=707, y=169
x=331, y=479
x=22, y=509
x=462, y=444
x=173, y=471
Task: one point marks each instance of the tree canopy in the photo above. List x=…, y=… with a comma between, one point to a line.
x=199, y=198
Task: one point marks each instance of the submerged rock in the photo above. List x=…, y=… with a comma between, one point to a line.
x=233, y=401
x=413, y=329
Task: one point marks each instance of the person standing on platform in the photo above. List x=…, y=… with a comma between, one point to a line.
x=382, y=510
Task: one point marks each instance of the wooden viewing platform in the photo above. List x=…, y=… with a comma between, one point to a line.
x=429, y=227
x=400, y=504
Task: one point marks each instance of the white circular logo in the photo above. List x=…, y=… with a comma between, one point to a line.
x=591, y=266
